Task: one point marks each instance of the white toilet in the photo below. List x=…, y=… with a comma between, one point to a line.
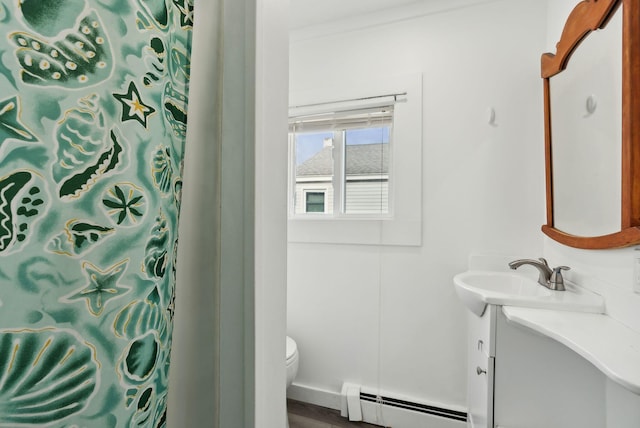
x=292, y=360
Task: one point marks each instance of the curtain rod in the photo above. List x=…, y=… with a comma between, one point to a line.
x=395, y=99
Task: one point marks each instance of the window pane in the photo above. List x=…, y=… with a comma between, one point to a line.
x=366, y=187
x=315, y=202
x=313, y=170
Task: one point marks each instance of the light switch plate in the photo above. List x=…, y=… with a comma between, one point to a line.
x=636, y=270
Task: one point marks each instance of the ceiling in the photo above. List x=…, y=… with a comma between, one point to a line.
x=305, y=13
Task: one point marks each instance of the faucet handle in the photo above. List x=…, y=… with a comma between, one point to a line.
x=544, y=261
x=556, y=282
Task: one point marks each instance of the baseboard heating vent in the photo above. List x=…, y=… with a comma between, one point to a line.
x=416, y=407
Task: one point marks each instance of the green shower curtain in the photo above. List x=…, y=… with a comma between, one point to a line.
x=93, y=100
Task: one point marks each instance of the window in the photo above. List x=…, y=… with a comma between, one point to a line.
x=344, y=156
x=365, y=155
x=366, y=166
x=314, y=202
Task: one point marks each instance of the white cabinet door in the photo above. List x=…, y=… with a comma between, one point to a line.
x=481, y=368
x=480, y=392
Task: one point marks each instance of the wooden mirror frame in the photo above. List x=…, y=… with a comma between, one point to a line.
x=588, y=16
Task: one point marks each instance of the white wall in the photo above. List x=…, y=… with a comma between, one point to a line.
x=387, y=316
x=271, y=93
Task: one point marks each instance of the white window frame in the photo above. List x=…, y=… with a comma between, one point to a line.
x=339, y=179
x=403, y=225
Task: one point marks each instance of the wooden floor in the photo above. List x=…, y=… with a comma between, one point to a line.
x=303, y=415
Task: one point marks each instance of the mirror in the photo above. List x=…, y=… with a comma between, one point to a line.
x=586, y=111
x=591, y=142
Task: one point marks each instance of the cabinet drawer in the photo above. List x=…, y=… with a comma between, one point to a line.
x=482, y=332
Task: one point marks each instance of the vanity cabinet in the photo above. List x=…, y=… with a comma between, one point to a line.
x=517, y=378
x=538, y=358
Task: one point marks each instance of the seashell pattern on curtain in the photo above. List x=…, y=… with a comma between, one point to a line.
x=93, y=113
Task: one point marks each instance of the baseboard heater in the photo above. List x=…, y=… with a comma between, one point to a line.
x=416, y=407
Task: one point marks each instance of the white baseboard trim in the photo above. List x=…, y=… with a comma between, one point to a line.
x=374, y=413
x=312, y=395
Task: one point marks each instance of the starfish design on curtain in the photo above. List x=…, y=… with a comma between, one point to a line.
x=133, y=108
x=102, y=287
x=10, y=125
x=186, y=12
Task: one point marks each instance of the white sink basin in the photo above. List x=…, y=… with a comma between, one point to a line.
x=476, y=289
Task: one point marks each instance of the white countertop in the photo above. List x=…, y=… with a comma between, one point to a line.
x=606, y=343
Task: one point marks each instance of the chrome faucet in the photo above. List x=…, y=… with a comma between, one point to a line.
x=550, y=278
